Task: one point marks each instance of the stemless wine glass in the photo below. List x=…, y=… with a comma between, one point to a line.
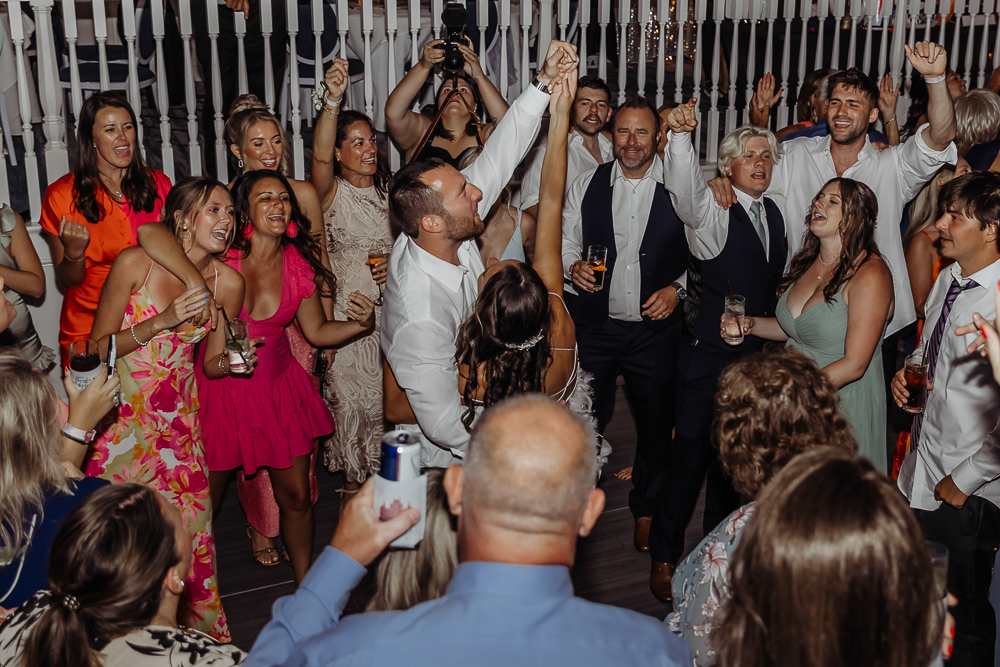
x=375, y=256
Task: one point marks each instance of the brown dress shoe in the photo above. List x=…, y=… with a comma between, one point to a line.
x=660, y=577
x=640, y=538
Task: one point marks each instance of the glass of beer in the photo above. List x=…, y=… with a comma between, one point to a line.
x=375, y=256
x=915, y=377
x=732, y=319
x=84, y=362
x=237, y=346
x=597, y=257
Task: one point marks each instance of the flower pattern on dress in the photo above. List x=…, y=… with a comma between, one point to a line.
x=701, y=585
x=156, y=441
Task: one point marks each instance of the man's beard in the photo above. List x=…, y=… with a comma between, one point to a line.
x=463, y=229
x=644, y=157
x=854, y=136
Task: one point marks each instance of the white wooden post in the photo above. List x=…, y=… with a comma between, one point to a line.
x=753, y=11
x=732, y=113
x=786, y=57
x=166, y=149
x=221, y=168
x=298, y=148
x=266, y=30
x=28, y=135
x=240, y=28
x=956, y=38
x=857, y=7
x=643, y=18
x=367, y=25
x=391, y=26
x=190, y=99
x=544, y=28
x=69, y=26
x=680, y=20
x=49, y=93
x=603, y=19
x=504, y=28
x=128, y=27
x=524, y=73
x=101, y=35
x=823, y=10
x=624, y=10
x=839, y=9
x=662, y=17
x=583, y=20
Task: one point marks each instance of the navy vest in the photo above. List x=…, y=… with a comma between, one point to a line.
x=663, y=253
x=743, y=264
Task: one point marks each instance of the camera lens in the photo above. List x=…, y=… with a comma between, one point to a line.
x=454, y=61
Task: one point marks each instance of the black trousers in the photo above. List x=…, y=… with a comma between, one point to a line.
x=691, y=456
x=228, y=52
x=648, y=362
x=971, y=535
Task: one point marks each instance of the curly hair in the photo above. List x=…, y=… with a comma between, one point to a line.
x=512, y=309
x=770, y=407
x=304, y=242
x=857, y=235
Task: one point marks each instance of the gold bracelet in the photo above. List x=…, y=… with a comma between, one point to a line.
x=78, y=259
x=889, y=121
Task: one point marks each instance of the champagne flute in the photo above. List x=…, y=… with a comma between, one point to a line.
x=375, y=256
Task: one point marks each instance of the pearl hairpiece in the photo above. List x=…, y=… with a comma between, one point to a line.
x=526, y=345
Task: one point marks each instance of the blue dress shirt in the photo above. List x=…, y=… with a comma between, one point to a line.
x=492, y=614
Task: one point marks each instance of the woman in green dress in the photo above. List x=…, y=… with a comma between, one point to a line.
x=836, y=300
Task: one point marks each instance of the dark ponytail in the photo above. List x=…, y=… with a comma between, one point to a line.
x=106, y=573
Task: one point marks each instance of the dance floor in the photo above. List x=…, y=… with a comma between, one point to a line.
x=608, y=569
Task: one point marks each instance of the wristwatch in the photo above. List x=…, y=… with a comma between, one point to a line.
x=544, y=87
x=681, y=292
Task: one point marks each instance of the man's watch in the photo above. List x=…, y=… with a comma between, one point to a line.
x=544, y=87
x=681, y=292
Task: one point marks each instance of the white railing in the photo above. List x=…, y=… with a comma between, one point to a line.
x=786, y=37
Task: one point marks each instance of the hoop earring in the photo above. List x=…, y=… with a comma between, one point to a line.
x=185, y=234
x=241, y=163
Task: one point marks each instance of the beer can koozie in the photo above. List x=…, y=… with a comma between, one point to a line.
x=400, y=456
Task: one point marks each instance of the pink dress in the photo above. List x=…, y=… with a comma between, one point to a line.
x=156, y=441
x=275, y=414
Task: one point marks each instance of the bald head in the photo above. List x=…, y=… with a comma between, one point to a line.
x=532, y=462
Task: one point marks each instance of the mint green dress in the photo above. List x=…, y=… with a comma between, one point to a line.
x=820, y=333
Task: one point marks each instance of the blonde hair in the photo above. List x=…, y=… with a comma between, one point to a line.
x=29, y=446
x=977, y=118
x=407, y=577
x=925, y=208
x=735, y=143
x=246, y=111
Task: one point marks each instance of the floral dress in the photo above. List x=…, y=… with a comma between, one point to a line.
x=701, y=586
x=157, y=441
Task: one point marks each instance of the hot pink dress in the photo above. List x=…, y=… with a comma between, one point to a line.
x=268, y=418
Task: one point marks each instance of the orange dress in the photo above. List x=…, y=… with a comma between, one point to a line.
x=115, y=232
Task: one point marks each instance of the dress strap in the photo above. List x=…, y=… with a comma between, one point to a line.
x=147, y=274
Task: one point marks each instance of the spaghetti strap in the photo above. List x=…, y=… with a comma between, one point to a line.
x=151, y=263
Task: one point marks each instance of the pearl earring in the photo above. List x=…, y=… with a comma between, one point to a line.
x=178, y=581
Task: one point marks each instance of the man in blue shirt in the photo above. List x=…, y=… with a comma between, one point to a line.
x=522, y=497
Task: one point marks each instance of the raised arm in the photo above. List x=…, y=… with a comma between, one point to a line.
x=496, y=105
x=548, y=227
x=931, y=61
x=763, y=100
x=887, y=97
x=682, y=177
x=325, y=134
x=406, y=126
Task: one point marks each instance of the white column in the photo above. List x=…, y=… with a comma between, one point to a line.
x=190, y=99
x=49, y=93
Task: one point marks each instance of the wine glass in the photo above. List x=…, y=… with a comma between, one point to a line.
x=375, y=256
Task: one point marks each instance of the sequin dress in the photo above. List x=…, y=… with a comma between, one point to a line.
x=356, y=222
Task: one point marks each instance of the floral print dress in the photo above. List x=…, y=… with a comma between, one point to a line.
x=701, y=586
x=157, y=441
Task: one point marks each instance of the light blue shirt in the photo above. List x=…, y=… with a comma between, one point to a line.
x=492, y=614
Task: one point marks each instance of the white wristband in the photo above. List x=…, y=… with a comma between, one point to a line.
x=936, y=79
x=333, y=105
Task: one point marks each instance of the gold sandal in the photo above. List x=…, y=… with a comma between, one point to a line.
x=256, y=555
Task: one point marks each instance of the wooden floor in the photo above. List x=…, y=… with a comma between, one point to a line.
x=608, y=569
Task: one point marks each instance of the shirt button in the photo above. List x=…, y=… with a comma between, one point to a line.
x=629, y=266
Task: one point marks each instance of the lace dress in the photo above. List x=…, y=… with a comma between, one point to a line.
x=157, y=441
x=356, y=222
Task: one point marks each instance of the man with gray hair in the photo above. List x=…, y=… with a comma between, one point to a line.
x=740, y=251
x=525, y=493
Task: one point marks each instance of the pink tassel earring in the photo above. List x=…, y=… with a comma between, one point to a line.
x=292, y=230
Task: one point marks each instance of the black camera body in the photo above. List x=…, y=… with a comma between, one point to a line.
x=454, y=17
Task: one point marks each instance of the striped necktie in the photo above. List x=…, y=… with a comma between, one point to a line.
x=934, y=346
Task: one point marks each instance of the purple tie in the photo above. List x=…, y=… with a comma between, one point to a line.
x=934, y=346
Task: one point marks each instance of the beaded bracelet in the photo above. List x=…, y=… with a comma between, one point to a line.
x=224, y=371
x=136, y=338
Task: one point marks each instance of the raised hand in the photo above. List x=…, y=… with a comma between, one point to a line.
x=928, y=58
x=336, y=80
x=763, y=100
x=560, y=58
x=75, y=238
x=433, y=54
x=683, y=118
x=563, y=91
x=472, y=66
x=887, y=96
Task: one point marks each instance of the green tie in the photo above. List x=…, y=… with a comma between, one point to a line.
x=758, y=224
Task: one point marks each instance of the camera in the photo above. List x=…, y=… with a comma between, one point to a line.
x=454, y=17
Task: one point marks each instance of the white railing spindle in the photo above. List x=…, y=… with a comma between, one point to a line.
x=662, y=15
x=603, y=19
x=266, y=30
x=974, y=8
x=221, y=168
x=101, y=35
x=72, y=36
x=128, y=27
x=624, y=9
x=166, y=149
x=839, y=9
x=786, y=56
x=298, y=148
x=852, y=49
x=700, y=11
x=718, y=14
x=643, y=22
x=240, y=28
x=190, y=100
x=563, y=19
x=680, y=21
x=30, y=158
x=754, y=15
x=504, y=28
x=583, y=14
x=989, y=7
x=885, y=14
x=822, y=11
x=49, y=94
x=955, y=42
x=734, y=58
x=805, y=9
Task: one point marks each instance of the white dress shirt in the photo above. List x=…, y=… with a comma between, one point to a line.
x=706, y=224
x=427, y=299
x=957, y=436
x=578, y=160
x=631, y=202
x=895, y=175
